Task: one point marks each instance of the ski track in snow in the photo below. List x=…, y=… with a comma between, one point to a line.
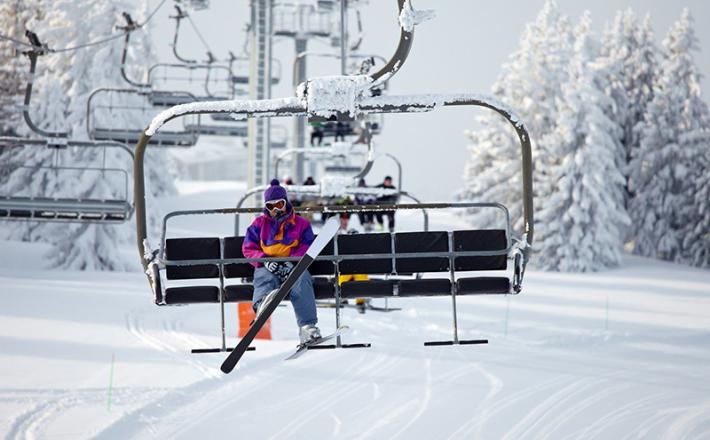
x=552, y=369
x=135, y=326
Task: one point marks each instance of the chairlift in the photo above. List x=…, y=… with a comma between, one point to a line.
x=90, y=208
x=336, y=153
x=196, y=5
x=303, y=20
x=106, y=106
x=24, y=205
x=238, y=64
x=219, y=261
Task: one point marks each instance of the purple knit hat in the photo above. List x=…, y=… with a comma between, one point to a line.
x=275, y=192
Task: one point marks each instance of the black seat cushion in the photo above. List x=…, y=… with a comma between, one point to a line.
x=480, y=240
x=191, y=295
x=233, y=249
x=323, y=288
x=192, y=249
x=483, y=285
x=417, y=242
x=358, y=244
x=425, y=287
x=238, y=293
x=367, y=289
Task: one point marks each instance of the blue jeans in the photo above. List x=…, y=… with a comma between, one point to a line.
x=302, y=296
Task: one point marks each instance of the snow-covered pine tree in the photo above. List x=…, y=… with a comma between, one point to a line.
x=13, y=17
x=630, y=55
x=530, y=83
x=63, y=85
x=583, y=215
x=667, y=171
x=696, y=233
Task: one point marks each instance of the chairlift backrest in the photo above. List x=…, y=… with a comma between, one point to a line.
x=480, y=240
x=192, y=249
x=378, y=243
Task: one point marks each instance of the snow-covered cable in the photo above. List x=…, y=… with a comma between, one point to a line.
x=22, y=43
x=100, y=41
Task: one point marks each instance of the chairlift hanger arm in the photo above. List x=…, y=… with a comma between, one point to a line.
x=404, y=104
x=406, y=40
x=129, y=28
x=180, y=15
x=37, y=49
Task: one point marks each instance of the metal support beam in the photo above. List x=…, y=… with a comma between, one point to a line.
x=299, y=127
x=259, y=89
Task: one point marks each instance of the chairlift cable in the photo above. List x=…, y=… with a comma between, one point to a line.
x=100, y=41
x=199, y=35
x=21, y=43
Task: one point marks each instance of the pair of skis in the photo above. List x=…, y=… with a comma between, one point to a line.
x=327, y=232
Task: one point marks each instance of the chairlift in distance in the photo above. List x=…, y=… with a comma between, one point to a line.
x=42, y=207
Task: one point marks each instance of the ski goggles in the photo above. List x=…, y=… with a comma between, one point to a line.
x=275, y=204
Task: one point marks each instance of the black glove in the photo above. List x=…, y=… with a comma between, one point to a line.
x=279, y=269
x=272, y=266
x=284, y=269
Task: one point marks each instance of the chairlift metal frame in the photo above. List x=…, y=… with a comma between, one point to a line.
x=67, y=209
x=186, y=138
x=40, y=208
x=520, y=247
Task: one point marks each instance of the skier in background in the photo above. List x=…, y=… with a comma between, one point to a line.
x=386, y=200
x=366, y=218
x=316, y=133
x=280, y=232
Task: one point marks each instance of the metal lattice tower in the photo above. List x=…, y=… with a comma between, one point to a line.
x=260, y=88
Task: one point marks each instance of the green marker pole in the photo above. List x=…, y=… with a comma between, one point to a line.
x=110, y=381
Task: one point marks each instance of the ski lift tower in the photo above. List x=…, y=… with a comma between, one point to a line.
x=259, y=88
x=302, y=21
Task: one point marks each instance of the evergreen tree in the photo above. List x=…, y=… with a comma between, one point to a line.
x=63, y=83
x=14, y=16
x=583, y=214
x=668, y=166
x=630, y=55
x=696, y=239
x=530, y=82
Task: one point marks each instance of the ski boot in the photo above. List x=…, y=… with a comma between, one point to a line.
x=309, y=333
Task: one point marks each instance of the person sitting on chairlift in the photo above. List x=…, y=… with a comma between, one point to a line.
x=316, y=133
x=386, y=200
x=341, y=129
x=366, y=218
x=280, y=232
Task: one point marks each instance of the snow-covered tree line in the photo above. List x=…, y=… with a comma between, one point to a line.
x=62, y=85
x=621, y=143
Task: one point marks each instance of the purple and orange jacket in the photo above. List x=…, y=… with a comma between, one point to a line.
x=289, y=236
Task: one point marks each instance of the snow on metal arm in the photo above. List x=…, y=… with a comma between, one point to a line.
x=264, y=107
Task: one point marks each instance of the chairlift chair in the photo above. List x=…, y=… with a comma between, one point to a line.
x=107, y=105
x=455, y=253
x=25, y=205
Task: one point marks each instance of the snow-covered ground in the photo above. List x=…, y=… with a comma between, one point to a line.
x=612, y=355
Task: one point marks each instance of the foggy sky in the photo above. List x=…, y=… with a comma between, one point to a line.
x=461, y=50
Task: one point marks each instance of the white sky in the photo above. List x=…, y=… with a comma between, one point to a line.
x=461, y=50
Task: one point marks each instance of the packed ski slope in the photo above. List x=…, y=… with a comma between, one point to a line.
x=619, y=354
